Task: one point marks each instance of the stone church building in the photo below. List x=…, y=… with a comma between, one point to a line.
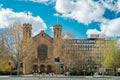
x=46, y=52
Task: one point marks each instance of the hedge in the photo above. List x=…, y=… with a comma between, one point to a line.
x=13, y=72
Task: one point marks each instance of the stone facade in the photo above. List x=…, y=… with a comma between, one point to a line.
x=45, y=50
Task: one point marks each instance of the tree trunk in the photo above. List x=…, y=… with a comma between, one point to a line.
x=18, y=65
x=18, y=68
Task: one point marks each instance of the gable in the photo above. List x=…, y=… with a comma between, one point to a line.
x=42, y=34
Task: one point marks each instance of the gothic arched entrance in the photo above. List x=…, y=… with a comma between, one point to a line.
x=42, y=68
x=35, y=68
x=49, y=69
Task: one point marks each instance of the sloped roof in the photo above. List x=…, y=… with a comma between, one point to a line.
x=43, y=34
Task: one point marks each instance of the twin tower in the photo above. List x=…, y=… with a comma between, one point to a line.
x=27, y=31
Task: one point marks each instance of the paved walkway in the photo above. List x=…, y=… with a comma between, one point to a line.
x=58, y=77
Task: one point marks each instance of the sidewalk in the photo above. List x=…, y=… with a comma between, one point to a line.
x=59, y=76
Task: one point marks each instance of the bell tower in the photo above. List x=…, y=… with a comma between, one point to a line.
x=27, y=31
x=57, y=32
x=57, y=46
x=26, y=39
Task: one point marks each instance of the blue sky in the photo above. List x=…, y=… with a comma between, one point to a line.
x=80, y=17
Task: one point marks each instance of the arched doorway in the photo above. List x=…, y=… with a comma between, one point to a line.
x=35, y=68
x=42, y=68
x=49, y=69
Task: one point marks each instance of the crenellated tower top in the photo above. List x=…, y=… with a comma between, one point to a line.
x=27, y=31
x=57, y=31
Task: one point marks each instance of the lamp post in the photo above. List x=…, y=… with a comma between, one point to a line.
x=84, y=72
x=10, y=68
x=39, y=73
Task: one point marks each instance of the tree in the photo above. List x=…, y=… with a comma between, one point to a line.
x=103, y=54
x=109, y=54
x=73, y=56
x=117, y=59
x=3, y=50
x=117, y=55
x=17, y=47
x=4, y=55
x=68, y=35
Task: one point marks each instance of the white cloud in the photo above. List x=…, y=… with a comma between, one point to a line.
x=83, y=11
x=113, y=5
x=44, y=1
x=86, y=11
x=41, y=1
x=93, y=31
x=8, y=17
x=110, y=28
x=118, y=5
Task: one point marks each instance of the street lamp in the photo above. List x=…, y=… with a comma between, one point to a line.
x=10, y=68
x=84, y=72
x=39, y=73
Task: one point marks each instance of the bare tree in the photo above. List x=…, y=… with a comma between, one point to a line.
x=73, y=56
x=13, y=39
x=4, y=53
x=68, y=35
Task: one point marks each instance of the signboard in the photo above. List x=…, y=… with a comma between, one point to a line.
x=118, y=69
x=96, y=36
x=102, y=70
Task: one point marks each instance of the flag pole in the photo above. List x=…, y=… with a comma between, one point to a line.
x=27, y=16
x=57, y=19
x=58, y=15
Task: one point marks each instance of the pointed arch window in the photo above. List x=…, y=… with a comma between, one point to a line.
x=42, y=52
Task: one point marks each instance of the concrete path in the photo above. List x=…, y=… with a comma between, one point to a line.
x=31, y=77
